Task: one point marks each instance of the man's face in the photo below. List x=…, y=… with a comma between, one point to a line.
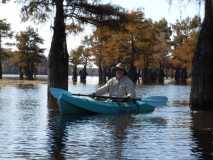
x=119, y=73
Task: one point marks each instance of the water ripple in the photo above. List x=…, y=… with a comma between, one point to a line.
x=28, y=131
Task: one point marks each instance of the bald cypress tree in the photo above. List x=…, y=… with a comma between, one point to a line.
x=5, y=32
x=201, y=97
x=67, y=12
x=202, y=72
x=29, y=53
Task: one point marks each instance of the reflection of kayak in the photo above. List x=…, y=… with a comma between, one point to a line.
x=71, y=104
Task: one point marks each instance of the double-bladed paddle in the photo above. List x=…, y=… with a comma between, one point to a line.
x=152, y=100
x=157, y=101
x=107, y=97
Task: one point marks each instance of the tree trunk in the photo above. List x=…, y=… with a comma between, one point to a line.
x=178, y=76
x=83, y=74
x=21, y=73
x=0, y=58
x=58, y=56
x=0, y=66
x=184, y=76
x=161, y=76
x=29, y=72
x=146, y=76
x=102, y=74
x=74, y=74
x=201, y=97
x=132, y=72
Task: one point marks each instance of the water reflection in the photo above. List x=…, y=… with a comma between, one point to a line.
x=65, y=141
x=118, y=129
x=108, y=137
x=202, y=130
x=26, y=86
x=56, y=142
x=29, y=131
x=22, y=123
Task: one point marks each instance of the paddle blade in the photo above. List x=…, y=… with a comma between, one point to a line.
x=157, y=101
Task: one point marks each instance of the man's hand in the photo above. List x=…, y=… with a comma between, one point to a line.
x=93, y=95
x=128, y=97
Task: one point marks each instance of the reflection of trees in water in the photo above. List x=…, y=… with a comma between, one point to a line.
x=122, y=129
x=111, y=144
x=56, y=135
x=119, y=133
x=202, y=130
x=93, y=137
x=100, y=145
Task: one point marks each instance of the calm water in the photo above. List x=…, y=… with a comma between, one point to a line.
x=28, y=131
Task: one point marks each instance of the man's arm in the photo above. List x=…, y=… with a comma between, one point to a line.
x=103, y=89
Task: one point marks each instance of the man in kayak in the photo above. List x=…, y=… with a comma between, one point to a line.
x=118, y=86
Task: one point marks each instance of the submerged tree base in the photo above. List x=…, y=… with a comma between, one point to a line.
x=201, y=97
x=201, y=104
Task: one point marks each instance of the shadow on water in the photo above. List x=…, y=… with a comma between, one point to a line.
x=118, y=127
x=59, y=128
x=57, y=134
x=202, y=131
x=26, y=86
x=92, y=136
x=115, y=125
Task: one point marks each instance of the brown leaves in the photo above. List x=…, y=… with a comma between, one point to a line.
x=184, y=53
x=141, y=41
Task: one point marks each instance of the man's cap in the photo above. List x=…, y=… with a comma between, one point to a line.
x=120, y=66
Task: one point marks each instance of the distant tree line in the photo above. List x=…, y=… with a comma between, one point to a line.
x=10, y=68
x=70, y=15
x=26, y=58
x=151, y=50
x=146, y=47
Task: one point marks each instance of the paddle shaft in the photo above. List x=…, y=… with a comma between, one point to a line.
x=107, y=97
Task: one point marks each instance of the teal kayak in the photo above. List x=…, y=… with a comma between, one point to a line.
x=71, y=104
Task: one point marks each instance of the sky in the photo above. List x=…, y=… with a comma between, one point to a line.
x=154, y=9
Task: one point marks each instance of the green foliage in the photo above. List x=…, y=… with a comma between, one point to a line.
x=5, y=32
x=70, y=15
x=185, y=41
x=76, y=12
x=29, y=54
x=182, y=29
x=80, y=55
x=36, y=10
x=76, y=54
x=5, y=29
